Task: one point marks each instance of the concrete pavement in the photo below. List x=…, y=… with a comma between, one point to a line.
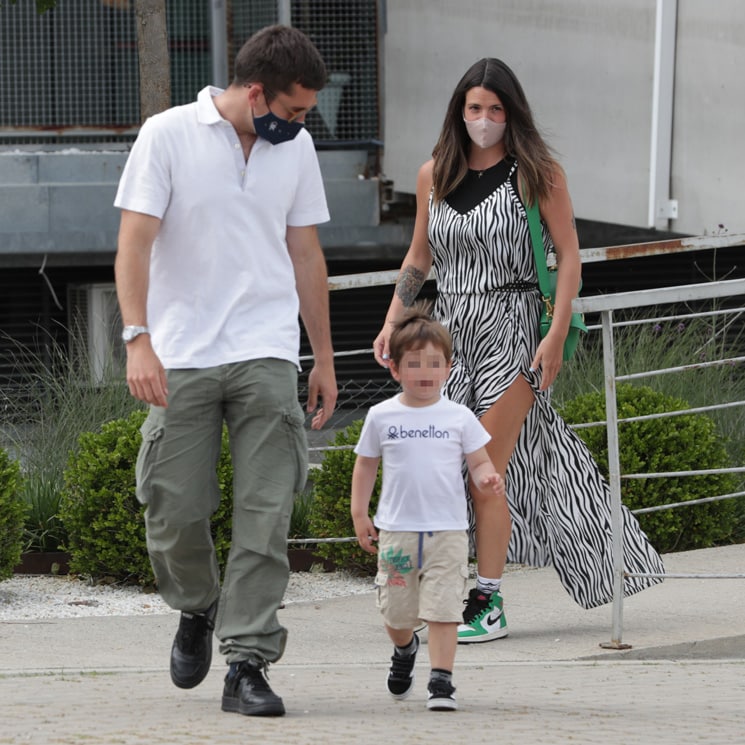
x=105, y=680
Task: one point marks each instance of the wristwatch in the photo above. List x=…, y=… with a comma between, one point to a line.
x=130, y=333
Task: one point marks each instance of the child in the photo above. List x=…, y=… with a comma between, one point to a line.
x=422, y=515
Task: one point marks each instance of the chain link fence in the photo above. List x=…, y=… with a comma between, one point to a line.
x=71, y=74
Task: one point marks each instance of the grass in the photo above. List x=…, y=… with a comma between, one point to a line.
x=56, y=400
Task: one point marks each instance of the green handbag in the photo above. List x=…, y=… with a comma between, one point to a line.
x=547, y=285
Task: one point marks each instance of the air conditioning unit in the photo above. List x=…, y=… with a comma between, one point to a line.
x=95, y=326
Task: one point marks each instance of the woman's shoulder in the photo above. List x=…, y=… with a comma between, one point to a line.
x=424, y=180
x=425, y=170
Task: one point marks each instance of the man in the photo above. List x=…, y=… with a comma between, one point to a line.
x=218, y=252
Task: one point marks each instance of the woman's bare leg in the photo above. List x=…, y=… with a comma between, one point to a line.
x=503, y=421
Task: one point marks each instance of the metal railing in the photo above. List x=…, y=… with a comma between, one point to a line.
x=605, y=305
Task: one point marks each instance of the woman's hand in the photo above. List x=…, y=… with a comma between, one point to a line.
x=549, y=357
x=380, y=345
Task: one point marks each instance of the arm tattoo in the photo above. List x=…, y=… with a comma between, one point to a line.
x=408, y=284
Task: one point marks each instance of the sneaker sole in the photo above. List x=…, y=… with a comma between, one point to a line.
x=442, y=704
x=234, y=706
x=498, y=634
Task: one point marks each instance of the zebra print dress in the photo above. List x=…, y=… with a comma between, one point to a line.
x=559, y=501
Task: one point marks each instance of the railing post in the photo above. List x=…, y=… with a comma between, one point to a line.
x=614, y=478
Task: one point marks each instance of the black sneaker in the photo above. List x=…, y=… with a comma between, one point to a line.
x=401, y=675
x=247, y=692
x=191, y=653
x=441, y=695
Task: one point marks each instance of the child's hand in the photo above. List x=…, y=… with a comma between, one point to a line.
x=492, y=482
x=366, y=534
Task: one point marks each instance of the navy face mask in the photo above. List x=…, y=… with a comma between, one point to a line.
x=275, y=129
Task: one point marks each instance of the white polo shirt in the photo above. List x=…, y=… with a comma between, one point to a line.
x=222, y=286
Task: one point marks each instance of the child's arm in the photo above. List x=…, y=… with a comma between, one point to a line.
x=363, y=481
x=483, y=473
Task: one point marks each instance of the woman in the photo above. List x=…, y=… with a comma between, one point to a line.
x=471, y=226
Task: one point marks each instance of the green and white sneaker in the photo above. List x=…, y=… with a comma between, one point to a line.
x=483, y=618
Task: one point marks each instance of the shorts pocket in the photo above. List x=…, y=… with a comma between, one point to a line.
x=381, y=596
x=464, y=575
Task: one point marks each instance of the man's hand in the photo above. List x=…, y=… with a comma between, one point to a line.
x=321, y=384
x=146, y=376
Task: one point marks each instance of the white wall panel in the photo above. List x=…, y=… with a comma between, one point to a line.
x=708, y=140
x=587, y=69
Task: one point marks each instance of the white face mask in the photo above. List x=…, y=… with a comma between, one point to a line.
x=484, y=132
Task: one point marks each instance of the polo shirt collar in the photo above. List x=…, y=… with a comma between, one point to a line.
x=207, y=112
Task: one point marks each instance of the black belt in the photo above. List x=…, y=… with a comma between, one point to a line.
x=518, y=286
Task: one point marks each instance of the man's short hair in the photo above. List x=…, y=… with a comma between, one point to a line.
x=277, y=57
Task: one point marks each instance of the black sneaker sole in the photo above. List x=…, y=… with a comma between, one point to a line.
x=267, y=709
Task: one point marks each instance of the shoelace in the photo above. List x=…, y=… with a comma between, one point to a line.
x=439, y=687
x=474, y=606
x=257, y=675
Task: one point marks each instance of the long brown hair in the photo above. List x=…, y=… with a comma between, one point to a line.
x=522, y=140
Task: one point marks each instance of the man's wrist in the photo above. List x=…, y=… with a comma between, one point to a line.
x=130, y=333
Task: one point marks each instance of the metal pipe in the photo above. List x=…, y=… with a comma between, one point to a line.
x=614, y=479
x=284, y=12
x=219, y=42
x=662, y=208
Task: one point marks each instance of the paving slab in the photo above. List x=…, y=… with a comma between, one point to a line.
x=105, y=679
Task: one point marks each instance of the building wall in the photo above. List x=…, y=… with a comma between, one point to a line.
x=588, y=71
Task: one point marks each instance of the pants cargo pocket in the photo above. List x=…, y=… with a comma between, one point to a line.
x=152, y=433
x=294, y=422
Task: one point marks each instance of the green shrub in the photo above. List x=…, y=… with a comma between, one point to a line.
x=330, y=512
x=681, y=443
x=104, y=520
x=12, y=515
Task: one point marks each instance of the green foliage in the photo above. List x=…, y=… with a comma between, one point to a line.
x=101, y=513
x=43, y=530
x=300, y=518
x=667, y=344
x=12, y=514
x=59, y=397
x=42, y=6
x=330, y=514
x=680, y=443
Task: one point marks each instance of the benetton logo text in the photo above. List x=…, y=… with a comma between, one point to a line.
x=431, y=433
